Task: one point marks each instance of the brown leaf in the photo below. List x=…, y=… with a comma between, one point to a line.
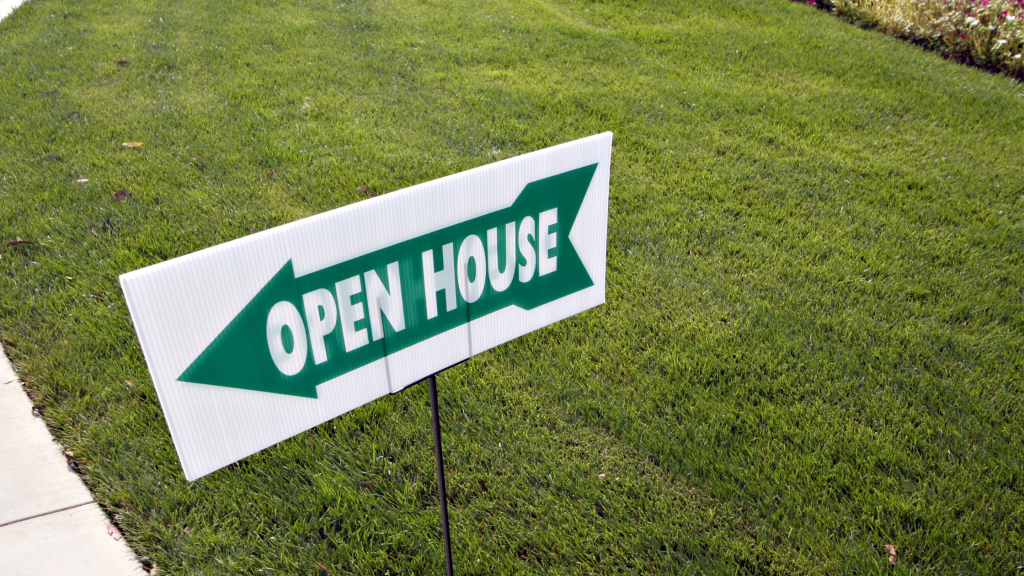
x=187, y=529
x=51, y=92
x=131, y=144
x=324, y=568
x=19, y=241
x=113, y=531
x=269, y=174
x=122, y=63
x=368, y=484
x=82, y=181
x=890, y=549
x=51, y=158
x=129, y=383
x=366, y=190
x=310, y=444
x=122, y=195
x=93, y=230
x=200, y=165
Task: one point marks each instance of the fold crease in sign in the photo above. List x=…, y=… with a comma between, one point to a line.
x=258, y=339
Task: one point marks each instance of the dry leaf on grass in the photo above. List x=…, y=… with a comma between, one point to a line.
x=51, y=92
x=113, y=531
x=82, y=181
x=368, y=484
x=129, y=383
x=122, y=63
x=122, y=195
x=131, y=144
x=51, y=158
x=19, y=241
x=890, y=549
x=366, y=190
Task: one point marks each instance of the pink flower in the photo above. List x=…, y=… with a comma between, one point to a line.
x=962, y=37
x=984, y=2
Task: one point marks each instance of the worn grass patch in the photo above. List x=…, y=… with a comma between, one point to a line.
x=812, y=342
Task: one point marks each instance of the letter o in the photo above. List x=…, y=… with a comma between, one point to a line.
x=286, y=314
x=472, y=248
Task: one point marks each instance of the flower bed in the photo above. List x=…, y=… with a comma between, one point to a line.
x=986, y=33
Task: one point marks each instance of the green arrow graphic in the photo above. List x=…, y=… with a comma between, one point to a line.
x=546, y=267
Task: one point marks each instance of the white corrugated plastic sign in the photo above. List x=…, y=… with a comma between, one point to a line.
x=255, y=340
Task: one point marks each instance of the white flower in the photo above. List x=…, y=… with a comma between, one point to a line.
x=971, y=21
x=1000, y=42
x=1017, y=56
x=1010, y=18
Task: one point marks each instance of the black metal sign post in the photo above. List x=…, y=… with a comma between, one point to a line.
x=440, y=475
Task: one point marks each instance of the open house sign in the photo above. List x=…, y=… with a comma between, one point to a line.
x=255, y=340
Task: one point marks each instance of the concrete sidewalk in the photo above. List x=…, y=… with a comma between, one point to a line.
x=49, y=523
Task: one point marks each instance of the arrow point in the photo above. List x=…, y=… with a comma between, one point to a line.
x=238, y=358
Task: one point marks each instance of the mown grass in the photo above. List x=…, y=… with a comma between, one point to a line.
x=811, y=346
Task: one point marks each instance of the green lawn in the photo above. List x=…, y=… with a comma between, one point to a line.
x=812, y=345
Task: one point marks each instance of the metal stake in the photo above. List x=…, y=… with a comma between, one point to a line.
x=440, y=475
